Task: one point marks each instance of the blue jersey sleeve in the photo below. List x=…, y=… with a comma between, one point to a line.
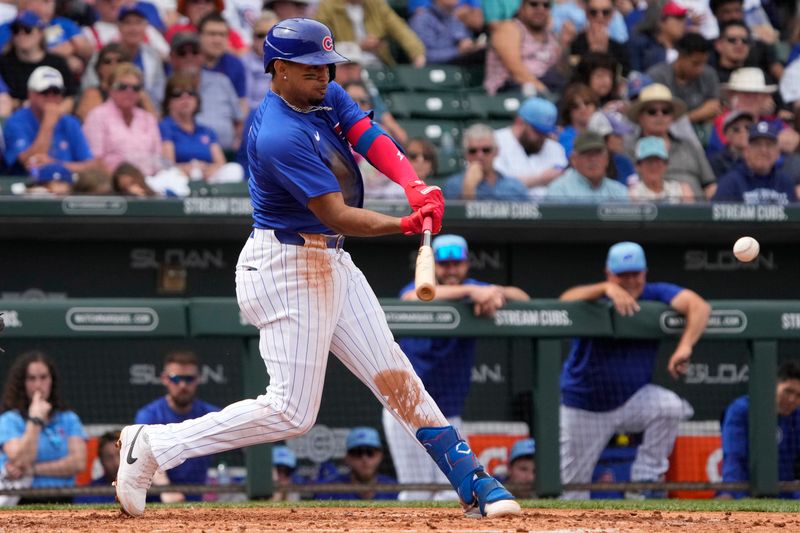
x=12, y=426
x=348, y=111
x=408, y=288
x=79, y=146
x=146, y=415
x=660, y=292
x=734, y=443
x=17, y=138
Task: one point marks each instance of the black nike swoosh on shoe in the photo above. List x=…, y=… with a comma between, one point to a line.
x=131, y=459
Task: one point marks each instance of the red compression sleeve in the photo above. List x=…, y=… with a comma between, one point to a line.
x=383, y=154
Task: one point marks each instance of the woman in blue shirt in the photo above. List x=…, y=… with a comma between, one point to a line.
x=194, y=148
x=39, y=437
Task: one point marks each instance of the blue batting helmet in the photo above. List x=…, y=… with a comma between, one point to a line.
x=300, y=40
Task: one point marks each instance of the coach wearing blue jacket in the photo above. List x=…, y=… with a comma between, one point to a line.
x=735, y=458
x=757, y=179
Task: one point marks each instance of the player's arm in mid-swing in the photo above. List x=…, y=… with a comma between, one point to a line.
x=384, y=154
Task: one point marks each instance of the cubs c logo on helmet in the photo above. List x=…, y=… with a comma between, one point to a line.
x=327, y=43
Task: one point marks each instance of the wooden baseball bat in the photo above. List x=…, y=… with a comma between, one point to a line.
x=425, y=277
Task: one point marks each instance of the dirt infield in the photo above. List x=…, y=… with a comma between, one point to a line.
x=351, y=520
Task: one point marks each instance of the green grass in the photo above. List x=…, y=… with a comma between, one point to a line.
x=752, y=505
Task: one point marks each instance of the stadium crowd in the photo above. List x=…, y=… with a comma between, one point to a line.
x=586, y=100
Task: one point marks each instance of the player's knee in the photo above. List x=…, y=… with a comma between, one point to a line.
x=301, y=422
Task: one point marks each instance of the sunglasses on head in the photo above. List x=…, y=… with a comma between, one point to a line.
x=180, y=92
x=360, y=452
x=485, y=149
x=127, y=87
x=16, y=29
x=737, y=40
x=416, y=155
x=188, y=50
x=543, y=5
x=51, y=91
x=605, y=12
x=186, y=378
x=653, y=111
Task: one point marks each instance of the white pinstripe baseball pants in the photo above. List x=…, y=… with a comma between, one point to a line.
x=653, y=409
x=306, y=301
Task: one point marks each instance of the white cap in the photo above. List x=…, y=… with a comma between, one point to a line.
x=43, y=78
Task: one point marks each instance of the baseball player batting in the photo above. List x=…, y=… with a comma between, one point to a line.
x=295, y=282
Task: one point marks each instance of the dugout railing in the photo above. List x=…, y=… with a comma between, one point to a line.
x=762, y=324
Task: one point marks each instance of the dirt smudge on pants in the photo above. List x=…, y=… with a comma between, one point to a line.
x=405, y=395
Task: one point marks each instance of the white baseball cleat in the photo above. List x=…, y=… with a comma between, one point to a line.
x=137, y=465
x=502, y=508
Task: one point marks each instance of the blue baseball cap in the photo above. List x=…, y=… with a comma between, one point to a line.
x=626, y=257
x=363, y=437
x=636, y=82
x=522, y=448
x=132, y=10
x=29, y=19
x=541, y=114
x=651, y=147
x=283, y=456
x=450, y=248
x=765, y=129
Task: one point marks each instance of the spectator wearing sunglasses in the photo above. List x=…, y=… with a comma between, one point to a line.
x=181, y=377
x=363, y=459
x=192, y=147
x=41, y=133
x=444, y=364
x=119, y=130
x=655, y=112
x=27, y=52
x=258, y=82
x=480, y=180
x=596, y=36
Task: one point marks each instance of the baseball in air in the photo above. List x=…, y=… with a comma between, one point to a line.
x=746, y=249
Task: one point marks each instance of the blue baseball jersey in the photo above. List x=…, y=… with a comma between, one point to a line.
x=601, y=373
x=192, y=471
x=296, y=156
x=53, y=443
x=68, y=144
x=444, y=364
x=735, y=455
x=188, y=145
x=345, y=478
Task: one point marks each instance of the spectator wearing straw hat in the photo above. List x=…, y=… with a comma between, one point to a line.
x=655, y=112
x=747, y=90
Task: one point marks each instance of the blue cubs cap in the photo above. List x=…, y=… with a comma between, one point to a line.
x=626, y=257
x=363, y=436
x=541, y=114
x=522, y=448
x=450, y=248
x=765, y=130
x=29, y=19
x=132, y=10
x=651, y=147
x=283, y=456
x=301, y=40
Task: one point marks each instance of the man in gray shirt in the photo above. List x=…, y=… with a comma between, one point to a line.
x=691, y=79
x=219, y=103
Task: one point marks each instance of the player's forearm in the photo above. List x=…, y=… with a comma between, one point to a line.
x=356, y=222
x=696, y=320
x=67, y=466
x=25, y=449
x=584, y=292
x=516, y=294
